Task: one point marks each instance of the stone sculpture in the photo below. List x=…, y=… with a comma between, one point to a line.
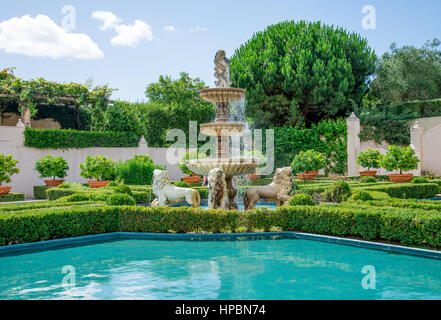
x=222, y=70
x=217, y=190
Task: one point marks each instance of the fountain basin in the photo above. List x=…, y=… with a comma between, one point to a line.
x=230, y=166
x=225, y=95
x=224, y=129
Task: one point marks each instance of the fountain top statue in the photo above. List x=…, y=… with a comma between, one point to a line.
x=222, y=70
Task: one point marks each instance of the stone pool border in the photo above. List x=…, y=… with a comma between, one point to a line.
x=17, y=249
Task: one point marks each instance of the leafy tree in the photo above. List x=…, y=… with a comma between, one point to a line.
x=308, y=161
x=7, y=168
x=50, y=166
x=98, y=168
x=369, y=159
x=408, y=74
x=300, y=72
x=403, y=159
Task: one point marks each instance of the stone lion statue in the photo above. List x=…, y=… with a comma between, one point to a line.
x=278, y=191
x=217, y=190
x=167, y=193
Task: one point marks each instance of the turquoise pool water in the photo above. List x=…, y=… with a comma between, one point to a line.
x=241, y=269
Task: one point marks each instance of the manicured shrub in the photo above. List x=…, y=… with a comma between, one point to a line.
x=181, y=184
x=136, y=171
x=400, y=158
x=368, y=179
x=308, y=161
x=369, y=159
x=7, y=168
x=406, y=191
x=123, y=189
x=50, y=166
x=68, y=139
x=361, y=195
x=339, y=191
x=420, y=180
x=12, y=197
x=98, y=168
x=40, y=192
x=120, y=199
x=301, y=199
x=76, y=197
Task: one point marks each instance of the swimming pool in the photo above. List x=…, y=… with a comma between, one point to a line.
x=236, y=269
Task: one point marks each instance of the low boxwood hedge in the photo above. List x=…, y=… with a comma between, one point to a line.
x=407, y=226
x=12, y=197
x=40, y=192
x=406, y=190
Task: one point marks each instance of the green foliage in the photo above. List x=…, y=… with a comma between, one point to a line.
x=301, y=199
x=123, y=189
x=7, y=168
x=408, y=74
x=67, y=139
x=297, y=72
x=368, y=179
x=50, y=166
x=391, y=123
x=327, y=137
x=188, y=156
x=98, y=168
x=181, y=184
x=136, y=171
x=10, y=197
x=122, y=116
x=420, y=180
x=406, y=190
x=308, y=161
x=76, y=197
x=121, y=199
x=369, y=159
x=361, y=195
x=339, y=191
x=40, y=192
x=403, y=159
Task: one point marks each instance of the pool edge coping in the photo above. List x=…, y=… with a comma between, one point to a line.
x=115, y=236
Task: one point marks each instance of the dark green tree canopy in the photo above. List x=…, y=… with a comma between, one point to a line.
x=298, y=73
x=408, y=74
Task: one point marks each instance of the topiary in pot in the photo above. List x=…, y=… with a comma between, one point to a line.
x=369, y=159
x=50, y=166
x=7, y=169
x=307, y=164
x=100, y=168
x=402, y=159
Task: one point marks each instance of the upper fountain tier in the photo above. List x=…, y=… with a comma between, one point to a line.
x=222, y=95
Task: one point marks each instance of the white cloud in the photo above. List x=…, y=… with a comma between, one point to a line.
x=170, y=28
x=198, y=28
x=109, y=20
x=42, y=37
x=126, y=35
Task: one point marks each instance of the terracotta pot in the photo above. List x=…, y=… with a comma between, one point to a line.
x=254, y=176
x=307, y=175
x=5, y=190
x=53, y=183
x=97, y=184
x=401, y=177
x=370, y=173
x=192, y=179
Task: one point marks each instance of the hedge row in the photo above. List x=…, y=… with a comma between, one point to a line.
x=409, y=227
x=67, y=139
x=406, y=190
x=12, y=197
x=96, y=195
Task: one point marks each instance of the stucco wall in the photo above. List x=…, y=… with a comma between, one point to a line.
x=11, y=142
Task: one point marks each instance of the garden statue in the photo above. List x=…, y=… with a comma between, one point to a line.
x=222, y=70
x=278, y=191
x=217, y=190
x=167, y=193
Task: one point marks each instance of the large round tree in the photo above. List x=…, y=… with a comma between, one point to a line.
x=298, y=73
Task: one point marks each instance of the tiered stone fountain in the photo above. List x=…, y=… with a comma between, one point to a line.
x=223, y=129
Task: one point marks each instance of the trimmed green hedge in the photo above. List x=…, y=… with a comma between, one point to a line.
x=407, y=226
x=406, y=190
x=12, y=197
x=67, y=139
x=40, y=192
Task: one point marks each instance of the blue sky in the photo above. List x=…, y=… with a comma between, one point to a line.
x=199, y=29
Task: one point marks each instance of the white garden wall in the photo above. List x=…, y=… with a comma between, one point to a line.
x=11, y=142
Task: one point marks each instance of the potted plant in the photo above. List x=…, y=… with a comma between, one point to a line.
x=307, y=164
x=193, y=177
x=370, y=159
x=402, y=159
x=7, y=169
x=50, y=166
x=99, y=168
